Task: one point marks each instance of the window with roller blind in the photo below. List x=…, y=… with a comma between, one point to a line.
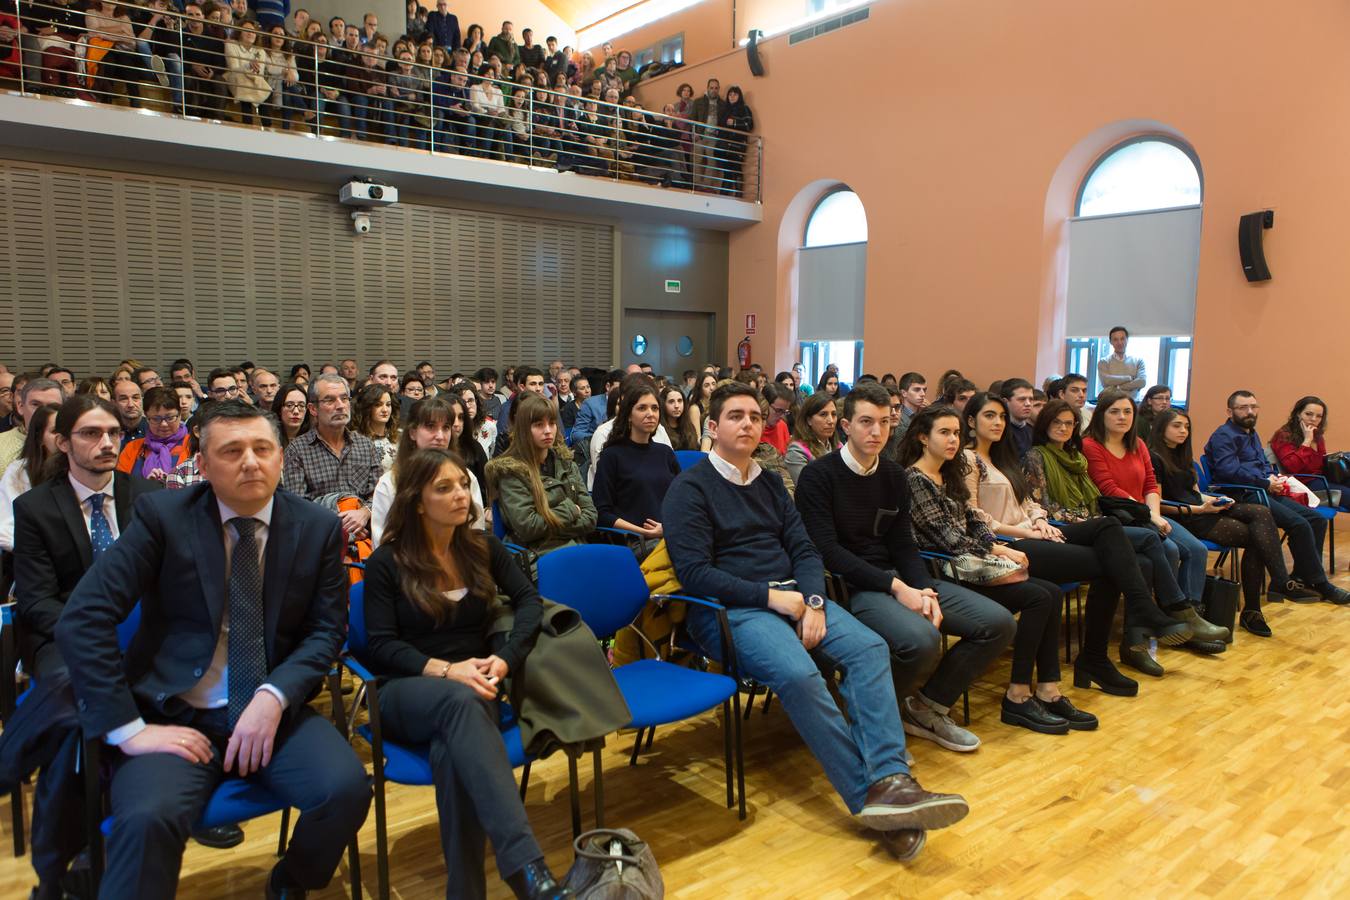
x=831, y=282
x=1134, y=252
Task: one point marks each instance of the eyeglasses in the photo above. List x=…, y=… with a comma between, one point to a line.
x=163, y=420
x=335, y=401
x=96, y=435
x=1062, y=423
x=294, y=406
x=225, y=392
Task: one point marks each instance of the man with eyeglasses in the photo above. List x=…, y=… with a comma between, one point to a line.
x=147, y=378
x=330, y=463
x=60, y=528
x=1237, y=456
x=221, y=385
x=164, y=446
x=64, y=377
x=776, y=433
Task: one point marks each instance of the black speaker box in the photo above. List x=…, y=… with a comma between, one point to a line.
x=1250, y=230
x=752, y=54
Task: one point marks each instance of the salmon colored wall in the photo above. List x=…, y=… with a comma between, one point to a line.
x=706, y=27
x=984, y=118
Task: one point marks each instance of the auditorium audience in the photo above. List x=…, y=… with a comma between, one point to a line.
x=1157, y=399
x=34, y=393
x=165, y=444
x=541, y=497
x=128, y=397
x=913, y=397
x=376, y=415
x=813, y=432
x=27, y=471
x=1020, y=398
x=481, y=426
x=1300, y=445
x=678, y=417
x=734, y=534
x=633, y=474
x=291, y=407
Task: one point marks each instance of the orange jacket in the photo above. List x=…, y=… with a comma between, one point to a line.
x=134, y=453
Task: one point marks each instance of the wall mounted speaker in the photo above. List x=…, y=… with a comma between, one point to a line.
x=1250, y=230
x=752, y=53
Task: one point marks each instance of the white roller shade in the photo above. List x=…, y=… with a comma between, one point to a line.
x=1136, y=269
x=831, y=287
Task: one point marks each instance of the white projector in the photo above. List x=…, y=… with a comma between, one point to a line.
x=365, y=193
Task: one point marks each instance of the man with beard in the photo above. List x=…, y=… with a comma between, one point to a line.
x=1236, y=456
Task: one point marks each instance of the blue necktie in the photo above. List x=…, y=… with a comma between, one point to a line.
x=100, y=532
x=247, y=658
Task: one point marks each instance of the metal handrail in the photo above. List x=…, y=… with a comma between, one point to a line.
x=337, y=93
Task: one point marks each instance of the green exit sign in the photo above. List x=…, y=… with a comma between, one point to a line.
x=672, y=286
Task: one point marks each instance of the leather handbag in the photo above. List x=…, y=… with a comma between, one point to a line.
x=1336, y=468
x=1220, y=603
x=614, y=864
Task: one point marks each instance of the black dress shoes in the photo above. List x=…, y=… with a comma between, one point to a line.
x=1332, y=594
x=1031, y=713
x=1104, y=674
x=1077, y=719
x=222, y=837
x=536, y=882
x=1253, y=621
x=905, y=844
x=279, y=887
x=1294, y=590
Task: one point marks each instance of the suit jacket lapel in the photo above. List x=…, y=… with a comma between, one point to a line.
x=69, y=506
x=122, y=500
x=208, y=552
x=282, y=543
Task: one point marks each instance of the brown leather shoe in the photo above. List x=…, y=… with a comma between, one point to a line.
x=904, y=844
x=898, y=802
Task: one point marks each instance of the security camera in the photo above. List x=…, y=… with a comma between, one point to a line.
x=361, y=221
x=366, y=193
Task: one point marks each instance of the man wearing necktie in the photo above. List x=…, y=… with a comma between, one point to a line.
x=243, y=608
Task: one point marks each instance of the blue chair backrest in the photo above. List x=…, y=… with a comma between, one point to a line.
x=498, y=526
x=357, y=638
x=602, y=582
x=1202, y=474
x=687, y=458
x=126, y=630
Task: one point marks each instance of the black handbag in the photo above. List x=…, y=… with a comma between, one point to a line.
x=614, y=864
x=1221, y=601
x=1336, y=468
x=1129, y=512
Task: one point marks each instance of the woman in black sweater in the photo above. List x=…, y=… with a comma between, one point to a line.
x=634, y=471
x=427, y=592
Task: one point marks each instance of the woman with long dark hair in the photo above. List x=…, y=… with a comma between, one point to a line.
x=1300, y=444
x=945, y=522
x=677, y=415
x=731, y=144
x=1095, y=549
x=428, y=590
x=291, y=407
x=375, y=414
x=1218, y=519
x=814, y=431
x=27, y=471
x=632, y=475
x=828, y=384
x=480, y=425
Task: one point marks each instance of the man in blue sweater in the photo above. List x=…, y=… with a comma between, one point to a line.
x=734, y=535
x=1236, y=456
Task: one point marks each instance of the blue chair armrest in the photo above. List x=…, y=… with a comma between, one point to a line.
x=935, y=555
x=356, y=668
x=1261, y=496
x=1173, y=503
x=728, y=648
x=1004, y=539
x=701, y=601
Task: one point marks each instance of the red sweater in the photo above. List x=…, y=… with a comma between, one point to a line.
x=1130, y=477
x=1295, y=458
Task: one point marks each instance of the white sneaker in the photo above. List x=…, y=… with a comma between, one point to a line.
x=157, y=66
x=921, y=720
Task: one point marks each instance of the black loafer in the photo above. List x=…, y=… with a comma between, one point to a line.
x=1332, y=594
x=1077, y=719
x=222, y=837
x=1032, y=714
x=1253, y=621
x=1293, y=590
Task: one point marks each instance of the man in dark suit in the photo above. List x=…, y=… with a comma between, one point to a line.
x=243, y=608
x=60, y=526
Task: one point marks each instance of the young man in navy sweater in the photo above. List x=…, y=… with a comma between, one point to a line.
x=734, y=535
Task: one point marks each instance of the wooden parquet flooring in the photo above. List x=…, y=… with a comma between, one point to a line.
x=1228, y=778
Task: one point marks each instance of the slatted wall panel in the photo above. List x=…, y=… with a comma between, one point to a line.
x=98, y=266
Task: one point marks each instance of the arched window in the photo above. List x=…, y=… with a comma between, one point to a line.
x=837, y=219
x=1143, y=173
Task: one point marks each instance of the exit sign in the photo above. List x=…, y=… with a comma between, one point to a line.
x=750, y=323
x=672, y=286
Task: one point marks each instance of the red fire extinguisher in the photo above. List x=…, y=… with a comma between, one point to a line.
x=743, y=352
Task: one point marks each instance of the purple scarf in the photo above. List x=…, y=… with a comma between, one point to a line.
x=159, y=451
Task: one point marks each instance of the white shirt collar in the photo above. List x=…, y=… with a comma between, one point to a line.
x=730, y=472
x=852, y=462
x=263, y=515
x=82, y=493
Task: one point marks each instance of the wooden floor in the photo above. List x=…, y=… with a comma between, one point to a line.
x=1230, y=777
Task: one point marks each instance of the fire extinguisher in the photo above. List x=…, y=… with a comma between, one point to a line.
x=743, y=352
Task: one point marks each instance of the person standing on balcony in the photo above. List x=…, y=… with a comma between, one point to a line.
x=709, y=111
x=505, y=48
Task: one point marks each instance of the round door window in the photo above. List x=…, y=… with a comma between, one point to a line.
x=685, y=345
x=639, y=344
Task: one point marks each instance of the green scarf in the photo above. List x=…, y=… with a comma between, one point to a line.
x=1067, y=480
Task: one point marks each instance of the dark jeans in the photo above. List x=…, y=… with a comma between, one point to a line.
x=156, y=798
x=1306, y=530
x=476, y=795
x=984, y=627
x=1251, y=527
x=1162, y=559
x=1036, y=643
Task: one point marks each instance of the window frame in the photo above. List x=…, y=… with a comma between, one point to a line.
x=815, y=208
x=1129, y=142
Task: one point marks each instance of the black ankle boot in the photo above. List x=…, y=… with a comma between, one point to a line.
x=1102, y=672
x=536, y=882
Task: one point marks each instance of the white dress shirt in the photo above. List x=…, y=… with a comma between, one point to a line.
x=730, y=472
x=82, y=495
x=852, y=462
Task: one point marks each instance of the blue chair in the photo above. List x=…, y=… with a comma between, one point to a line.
x=687, y=458
x=9, y=701
x=411, y=764
x=524, y=554
x=234, y=800
x=604, y=584
x=1226, y=554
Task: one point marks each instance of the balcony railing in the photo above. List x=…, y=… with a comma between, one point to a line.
x=189, y=66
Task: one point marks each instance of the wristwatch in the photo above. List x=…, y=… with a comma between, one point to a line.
x=815, y=601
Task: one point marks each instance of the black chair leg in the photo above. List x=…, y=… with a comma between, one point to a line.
x=750, y=703
x=285, y=832
x=1067, y=623
x=381, y=836
x=524, y=782
x=740, y=754
x=16, y=810
x=637, y=746
x=726, y=751
x=574, y=794
x=354, y=868
x=598, y=785
x=651, y=735
x=768, y=699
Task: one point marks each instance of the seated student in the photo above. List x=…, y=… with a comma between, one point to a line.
x=678, y=418
x=291, y=407
x=433, y=424
x=599, y=440
x=210, y=687
x=1019, y=396
x=777, y=427
x=1300, y=444
x=1237, y=457
x=480, y=426
x=1095, y=549
x=1157, y=399
x=634, y=472
x=1119, y=464
x=462, y=439
x=957, y=391
x=1058, y=482
x=855, y=506
x=26, y=472
x=931, y=451
x=540, y=495
x=813, y=433
x=375, y=414
x=734, y=535
x=165, y=444
x=1219, y=519
x=187, y=473
x=428, y=589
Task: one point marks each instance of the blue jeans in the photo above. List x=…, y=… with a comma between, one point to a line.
x=1162, y=557
x=855, y=755
x=173, y=67
x=1194, y=561
x=334, y=115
